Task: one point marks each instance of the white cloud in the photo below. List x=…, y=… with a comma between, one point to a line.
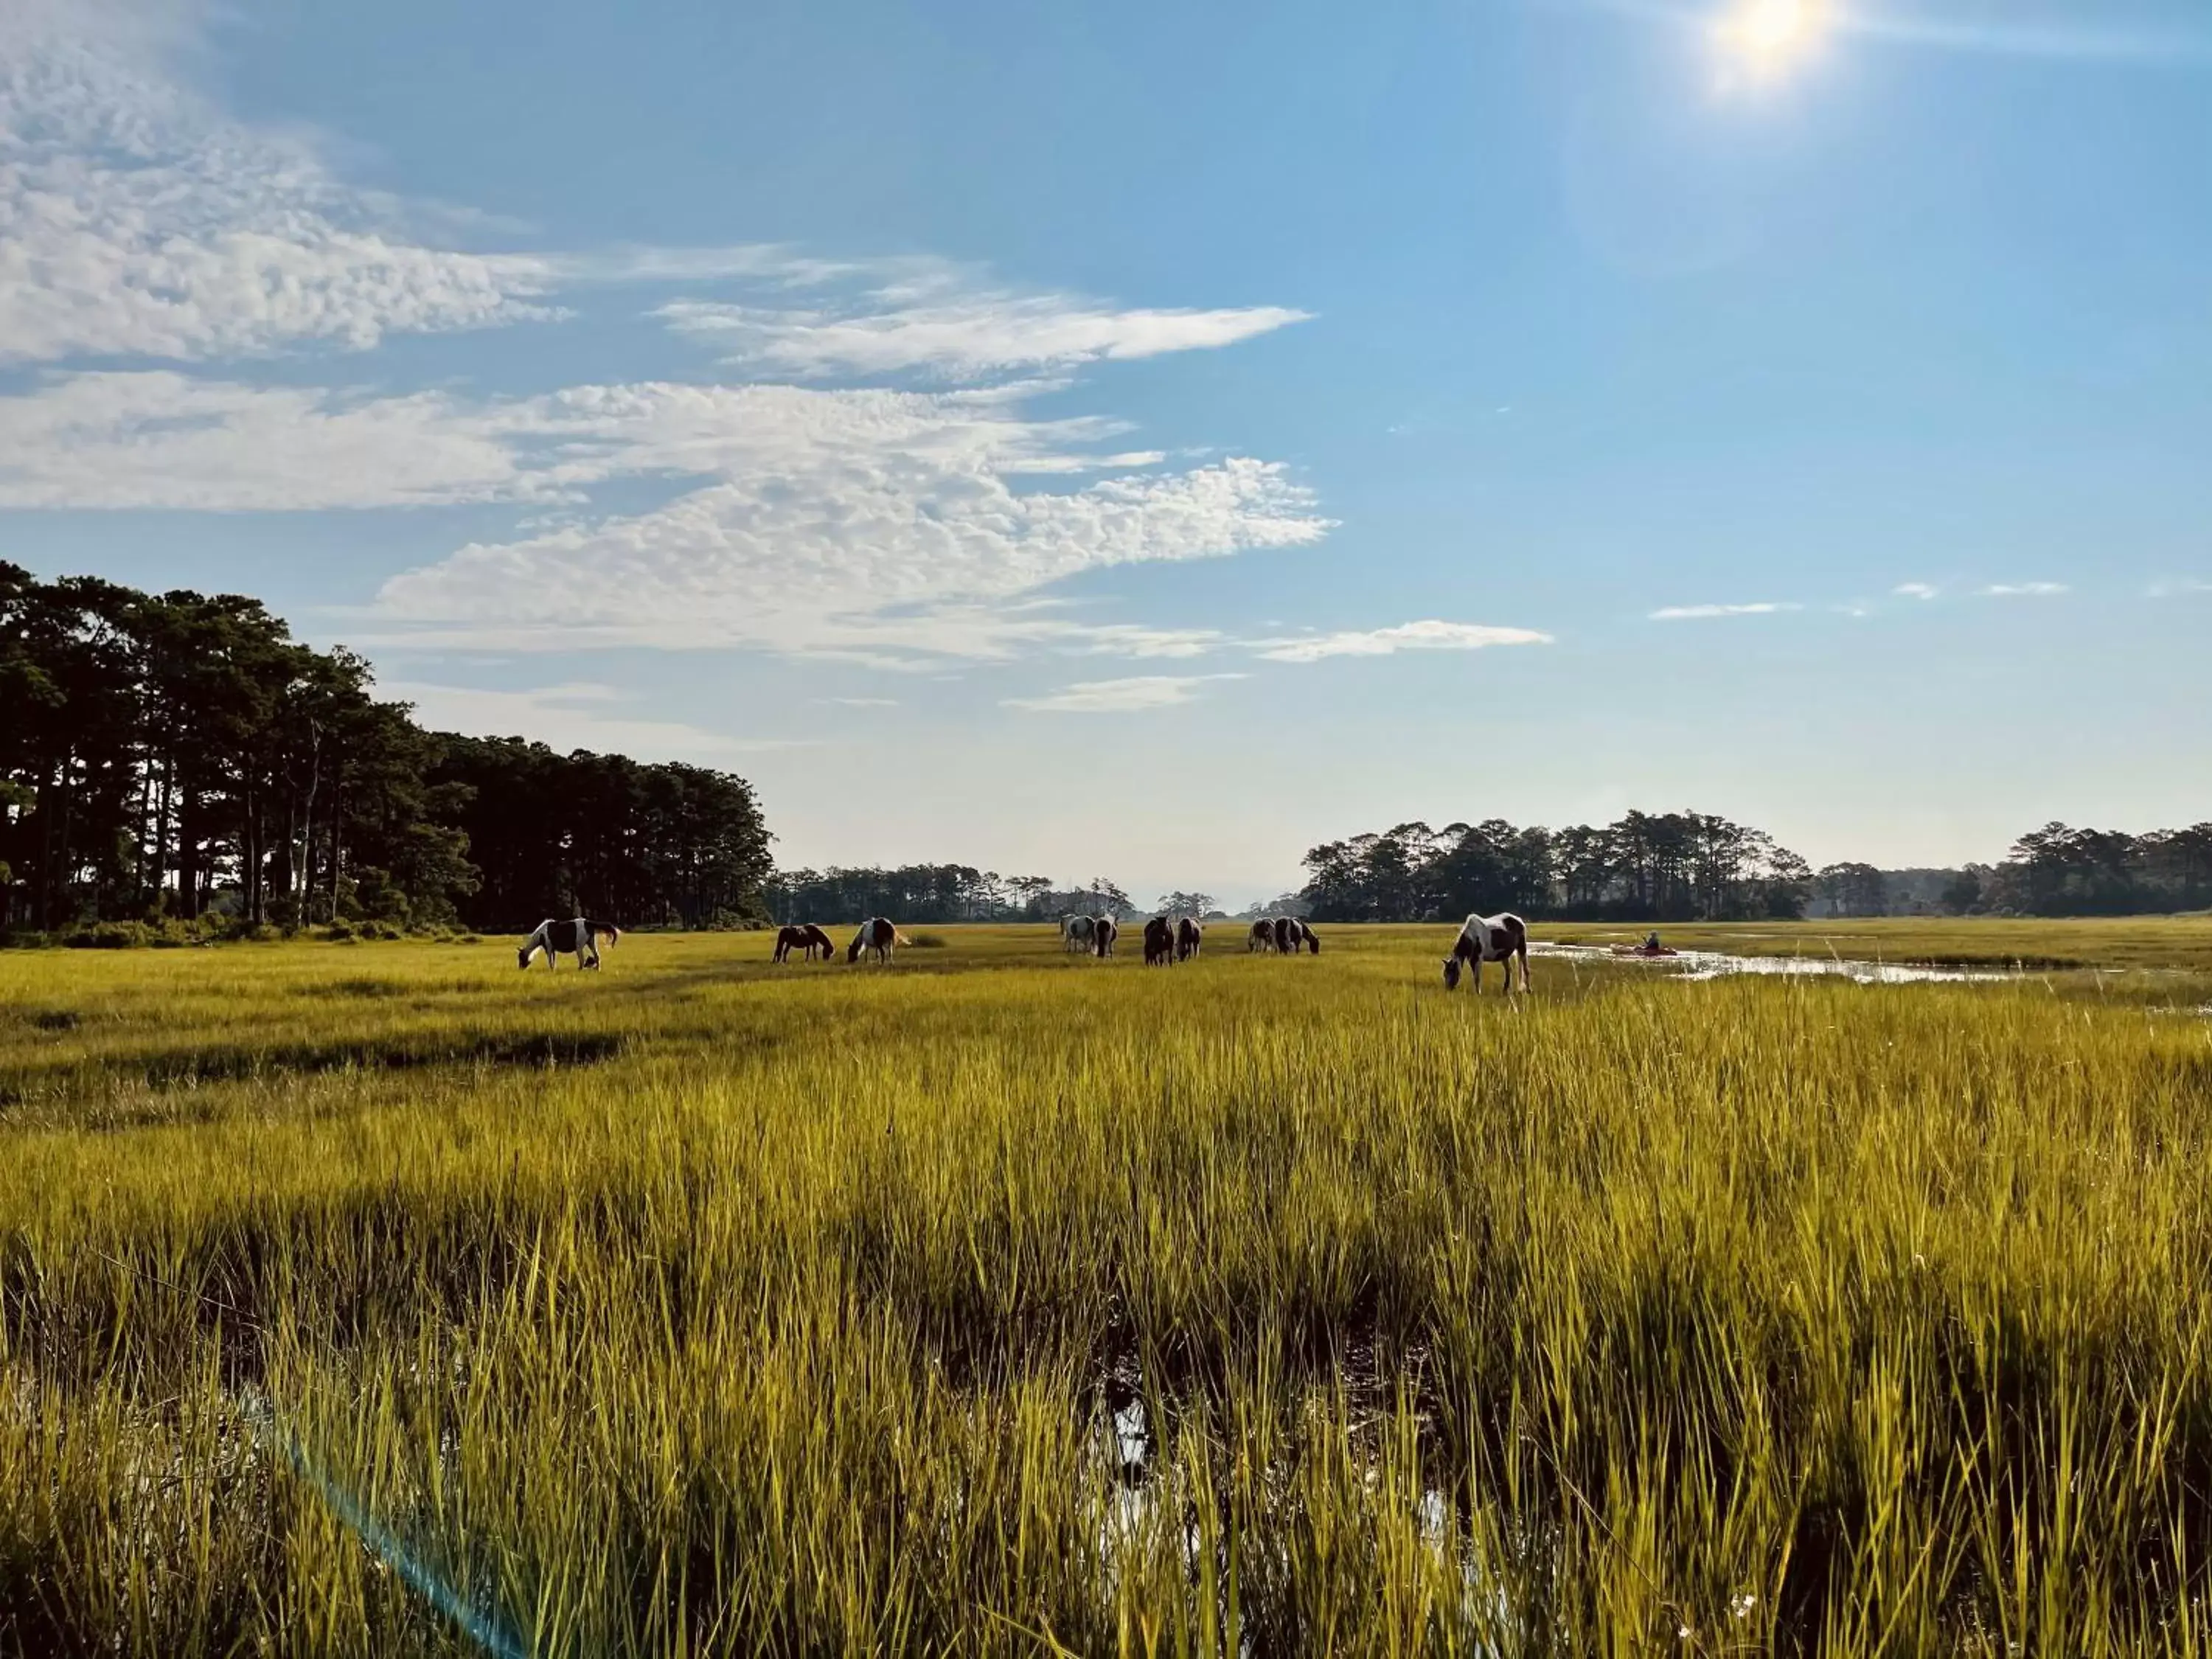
x=567, y=716
x=1130, y=640
x=882, y=525
x=966, y=335
x=157, y=439
x=1914, y=591
x=1119, y=697
x=2024, y=590
x=863, y=702
x=860, y=520
x=137, y=219
x=2171, y=589
x=1702, y=612
x=1430, y=635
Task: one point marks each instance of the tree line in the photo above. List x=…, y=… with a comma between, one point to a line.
x=1697, y=867
x=178, y=759
x=936, y=893
x=2060, y=871
x=1673, y=866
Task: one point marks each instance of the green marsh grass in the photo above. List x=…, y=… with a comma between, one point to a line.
x=383, y=1300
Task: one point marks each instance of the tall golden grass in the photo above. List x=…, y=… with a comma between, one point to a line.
x=382, y=1300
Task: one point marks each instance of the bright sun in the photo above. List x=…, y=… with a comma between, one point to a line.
x=1765, y=39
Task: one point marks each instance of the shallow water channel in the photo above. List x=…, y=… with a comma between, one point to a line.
x=1718, y=964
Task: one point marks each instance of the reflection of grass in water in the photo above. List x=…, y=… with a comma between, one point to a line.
x=822, y=1314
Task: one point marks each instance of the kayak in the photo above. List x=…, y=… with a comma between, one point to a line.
x=1643, y=950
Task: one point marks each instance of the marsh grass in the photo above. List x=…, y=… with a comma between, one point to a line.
x=1008, y=1302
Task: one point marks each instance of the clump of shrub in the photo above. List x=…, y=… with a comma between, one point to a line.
x=109, y=936
x=926, y=941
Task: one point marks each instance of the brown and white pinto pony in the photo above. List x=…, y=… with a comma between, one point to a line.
x=1261, y=937
x=577, y=936
x=1501, y=938
x=1286, y=936
x=808, y=939
x=1189, y=936
x=1103, y=931
x=877, y=933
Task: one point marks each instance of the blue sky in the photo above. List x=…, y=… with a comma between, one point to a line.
x=1150, y=440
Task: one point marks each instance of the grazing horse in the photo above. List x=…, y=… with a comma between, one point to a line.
x=1287, y=935
x=1103, y=931
x=877, y=933
x=1077, y=933
x=1188, y=934
x=1159, y=943
x=1261, y=937
x=1308, y=939
x=1500, y=938
x=577, y=936
x=808, y=939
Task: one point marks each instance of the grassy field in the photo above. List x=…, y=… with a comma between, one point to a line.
x=380, y=1300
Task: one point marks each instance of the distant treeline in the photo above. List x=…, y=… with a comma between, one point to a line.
x=1695, y=867
x=935, y=893
x=179, y=758
x=2058, y=871
x=1664, y=867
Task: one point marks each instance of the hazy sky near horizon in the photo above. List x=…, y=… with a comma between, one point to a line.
x=1147, y=440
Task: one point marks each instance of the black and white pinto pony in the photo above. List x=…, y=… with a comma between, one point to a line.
x=1104, y=930
x=577, y=936
x=1078, y=934
x=1500, y=938
x=877, y=933
x=1261, y=937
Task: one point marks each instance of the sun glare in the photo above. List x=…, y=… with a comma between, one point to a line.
x=1765, y=40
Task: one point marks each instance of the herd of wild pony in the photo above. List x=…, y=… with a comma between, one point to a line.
x=1501, y=938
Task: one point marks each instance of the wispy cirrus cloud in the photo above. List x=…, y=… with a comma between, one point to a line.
x=1120, y=696
x=1430, y=635
x=136, y=219
x=163, y=439
x=572, y=715
x=1706, y=612
x=854, y=541
x=960, y=335
x=2167, y=590
x=2024, y=590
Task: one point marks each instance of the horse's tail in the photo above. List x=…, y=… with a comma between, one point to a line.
x=898, y=938
x=613, y=933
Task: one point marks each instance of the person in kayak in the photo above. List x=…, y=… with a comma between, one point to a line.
x=1651, y=944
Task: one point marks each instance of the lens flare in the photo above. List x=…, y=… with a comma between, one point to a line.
x=1765, y=40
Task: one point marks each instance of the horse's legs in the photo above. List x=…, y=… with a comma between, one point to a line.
x=1524, y=968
